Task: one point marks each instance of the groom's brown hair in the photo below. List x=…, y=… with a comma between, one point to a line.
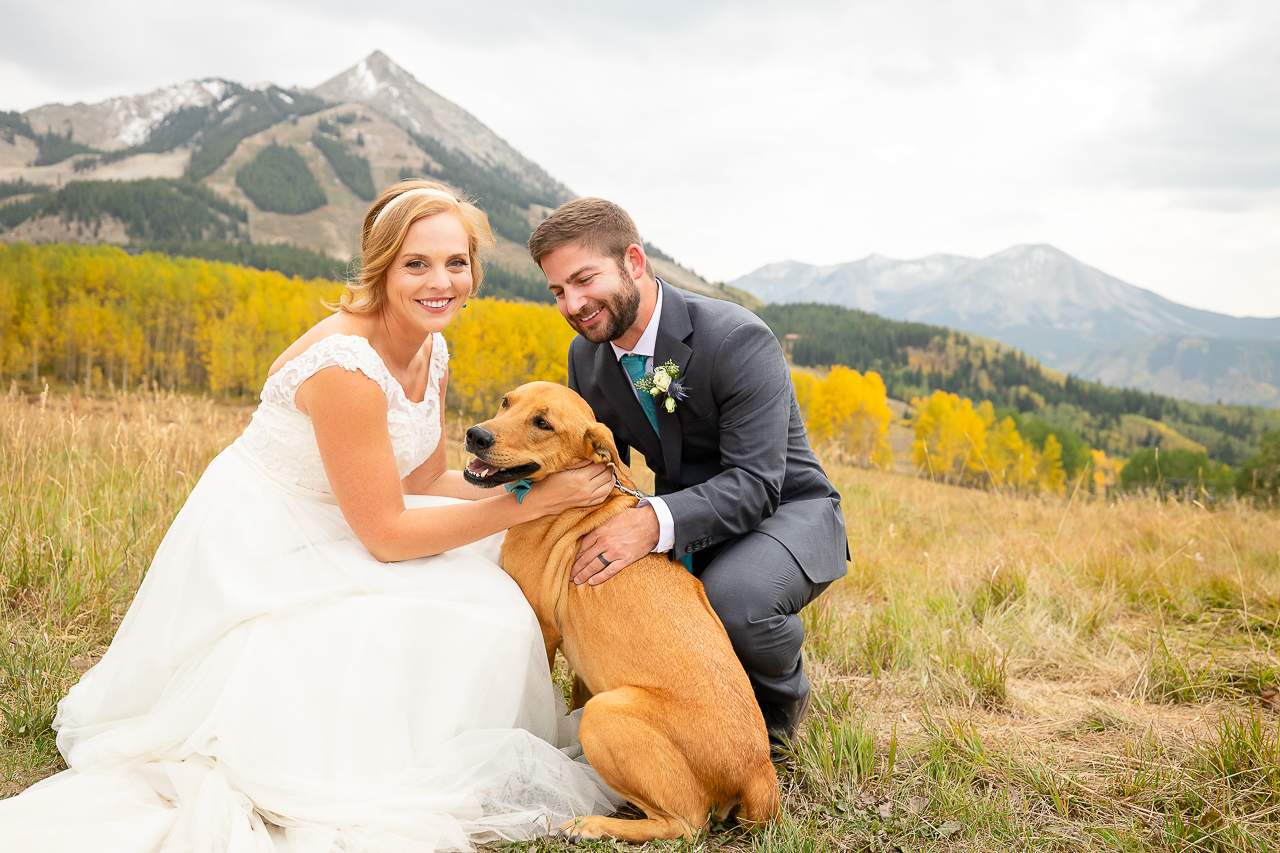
x=594, y=223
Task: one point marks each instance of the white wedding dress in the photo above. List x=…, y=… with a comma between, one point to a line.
x=275, y=688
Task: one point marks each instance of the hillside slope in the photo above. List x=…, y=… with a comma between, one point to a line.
x=377, y=82
x=1191, y=367
x=915, y=359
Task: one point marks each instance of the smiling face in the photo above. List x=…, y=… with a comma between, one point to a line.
x=430, y=277
x=601, y=301
x=540, y=429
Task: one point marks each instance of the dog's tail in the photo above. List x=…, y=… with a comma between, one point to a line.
x=760, y=801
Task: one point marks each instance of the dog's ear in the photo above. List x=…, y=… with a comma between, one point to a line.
x=601, y=446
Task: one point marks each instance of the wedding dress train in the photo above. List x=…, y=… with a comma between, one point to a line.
x=275, y=688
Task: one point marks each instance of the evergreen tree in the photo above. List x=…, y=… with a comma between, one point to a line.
x=1260, y=474
x=352, y=169
x=278, y=180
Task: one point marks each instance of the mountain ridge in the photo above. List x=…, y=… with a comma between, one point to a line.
x=125, y=120
x=1207, y=370
x=1034, y=297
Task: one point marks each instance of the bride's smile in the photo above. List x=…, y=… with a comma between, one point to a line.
x=430, y=278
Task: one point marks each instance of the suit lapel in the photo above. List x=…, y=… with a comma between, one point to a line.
x=621, y=395
x=674, y=327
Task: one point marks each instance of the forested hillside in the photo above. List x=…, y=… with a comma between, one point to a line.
x=153, y=209
x=220, y=128
x=352, y=169
x=915, y=359
x=52, y=147
x=505, y=202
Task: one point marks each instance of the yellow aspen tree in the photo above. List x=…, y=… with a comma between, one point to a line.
x=851, y=412
x=950, y=437
x=1053, y=478
x=1106, y=471
x=1026, y=471
x=497, y=345
x=806, y=387
x=1005, y=449
x=93, y=313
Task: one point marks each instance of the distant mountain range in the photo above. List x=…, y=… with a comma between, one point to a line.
x=1204, y=369
x=1067, y=314
x=208, y=130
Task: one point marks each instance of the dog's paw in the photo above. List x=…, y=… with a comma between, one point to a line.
x=583, y=829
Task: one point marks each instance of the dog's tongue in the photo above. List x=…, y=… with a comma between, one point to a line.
x=475, y=466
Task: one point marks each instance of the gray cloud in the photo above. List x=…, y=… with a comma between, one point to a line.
x=1211, y=124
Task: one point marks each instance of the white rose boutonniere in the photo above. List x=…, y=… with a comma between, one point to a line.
x=665, y=385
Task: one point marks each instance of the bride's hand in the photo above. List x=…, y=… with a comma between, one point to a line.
x=584, y=485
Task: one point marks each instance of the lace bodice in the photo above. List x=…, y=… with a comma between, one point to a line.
x=283, y=439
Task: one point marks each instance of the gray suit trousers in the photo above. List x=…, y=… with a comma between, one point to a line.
x=757, y=589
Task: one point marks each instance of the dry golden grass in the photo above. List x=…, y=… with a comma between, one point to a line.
x=995, y=672
x=88, y=487
x=1076, y=666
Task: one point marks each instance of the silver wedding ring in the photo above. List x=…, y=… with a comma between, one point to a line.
x=601, y=558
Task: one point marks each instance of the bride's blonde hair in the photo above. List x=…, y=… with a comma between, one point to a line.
x=385, y=227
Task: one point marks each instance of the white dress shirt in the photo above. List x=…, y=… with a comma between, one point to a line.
x=645, y=347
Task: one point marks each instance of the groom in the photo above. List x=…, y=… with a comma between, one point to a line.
x=742, y=499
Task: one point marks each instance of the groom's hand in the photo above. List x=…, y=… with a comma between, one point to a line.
x=621, y=540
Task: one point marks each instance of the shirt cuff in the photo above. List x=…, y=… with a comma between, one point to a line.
x=666, y=524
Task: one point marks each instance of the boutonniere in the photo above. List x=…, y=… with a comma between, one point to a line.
x=665, y=385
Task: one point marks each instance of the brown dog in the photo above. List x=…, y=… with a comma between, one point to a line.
x=669, y=720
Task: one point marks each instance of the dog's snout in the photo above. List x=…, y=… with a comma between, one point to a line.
x=478, y=438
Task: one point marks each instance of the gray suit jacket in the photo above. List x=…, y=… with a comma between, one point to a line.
x=734, y=456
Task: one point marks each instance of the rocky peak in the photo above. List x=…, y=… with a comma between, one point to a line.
x=388, y=88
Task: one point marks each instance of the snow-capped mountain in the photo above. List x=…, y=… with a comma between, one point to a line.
x=119, y=123
x=1036, y=298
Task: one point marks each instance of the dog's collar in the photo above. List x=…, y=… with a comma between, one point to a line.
x=520, y=487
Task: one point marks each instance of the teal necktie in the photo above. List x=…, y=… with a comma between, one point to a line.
x=634, y=365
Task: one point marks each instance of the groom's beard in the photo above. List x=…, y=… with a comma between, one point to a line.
x=623, y=309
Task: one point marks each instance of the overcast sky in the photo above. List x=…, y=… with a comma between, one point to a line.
x=1143, y=138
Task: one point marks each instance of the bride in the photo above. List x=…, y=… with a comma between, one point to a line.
x=325, y=655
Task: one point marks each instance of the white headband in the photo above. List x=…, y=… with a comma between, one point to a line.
x=417, y=191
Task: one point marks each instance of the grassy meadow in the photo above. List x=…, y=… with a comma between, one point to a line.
x=995, y=673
